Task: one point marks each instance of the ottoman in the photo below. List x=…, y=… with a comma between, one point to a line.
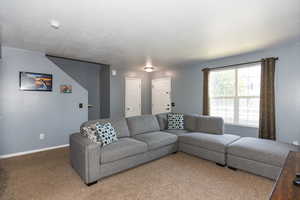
x=258, y=156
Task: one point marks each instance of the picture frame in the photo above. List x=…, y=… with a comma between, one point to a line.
x=31, y=81
x=67, y=89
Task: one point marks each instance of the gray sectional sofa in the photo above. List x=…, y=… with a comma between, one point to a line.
x=145, y=138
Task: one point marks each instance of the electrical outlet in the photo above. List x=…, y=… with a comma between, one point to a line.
x=42, y=136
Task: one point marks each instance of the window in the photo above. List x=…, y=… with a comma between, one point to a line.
x=234, y=94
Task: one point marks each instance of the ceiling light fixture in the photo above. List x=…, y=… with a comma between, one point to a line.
x=54, y=24
x=114, y=72
x=148, y=68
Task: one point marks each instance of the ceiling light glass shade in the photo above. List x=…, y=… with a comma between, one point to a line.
x=54, y=24
x=148, y=69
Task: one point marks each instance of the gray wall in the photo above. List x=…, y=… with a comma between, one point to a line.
x=24, y=115
x=0, y=41
x=105, y=92
x=187, y=89
x=117, y=92
x=87, y=75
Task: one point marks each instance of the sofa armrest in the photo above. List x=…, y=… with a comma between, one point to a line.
x=85, y=157
x=208, y=124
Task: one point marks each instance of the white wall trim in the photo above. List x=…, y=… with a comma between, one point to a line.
x=32, y=151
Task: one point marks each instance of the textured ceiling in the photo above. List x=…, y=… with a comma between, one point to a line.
x=169, y=32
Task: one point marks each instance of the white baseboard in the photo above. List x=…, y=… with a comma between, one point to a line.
x=32, y=151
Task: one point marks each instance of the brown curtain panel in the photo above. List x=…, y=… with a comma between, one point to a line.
x=205, y=108
x=267, y=128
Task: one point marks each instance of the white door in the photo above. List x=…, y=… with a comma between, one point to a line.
x=161, y=95
x=132, y=97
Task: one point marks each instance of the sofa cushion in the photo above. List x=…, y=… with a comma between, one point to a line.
x=177, y=132
x=208, y=141
x=190, y=122
x=261, y=150
x=142, y=124
x=119, y=124
x=121, y=127
x=175, y=121
x=162, y=120
x=123, y=148
x=209, y=124
x=158, y=139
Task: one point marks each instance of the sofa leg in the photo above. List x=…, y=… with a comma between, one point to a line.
x=92, y=183
x=221, y=165
x=232, y=168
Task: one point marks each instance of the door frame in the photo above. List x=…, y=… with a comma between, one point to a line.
x=161, y=78
x=140, y=99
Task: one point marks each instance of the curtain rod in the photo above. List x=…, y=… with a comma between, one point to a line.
x=245, y=63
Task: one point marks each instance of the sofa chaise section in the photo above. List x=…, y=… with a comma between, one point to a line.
x=258, y=156
x=206, y=145
x=203, y=136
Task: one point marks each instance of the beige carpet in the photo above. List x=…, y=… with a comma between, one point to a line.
x=48, y=175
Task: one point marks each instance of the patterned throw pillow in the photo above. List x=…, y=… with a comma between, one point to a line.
x=106, y=133
x=175, y=121
x=91, y=133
